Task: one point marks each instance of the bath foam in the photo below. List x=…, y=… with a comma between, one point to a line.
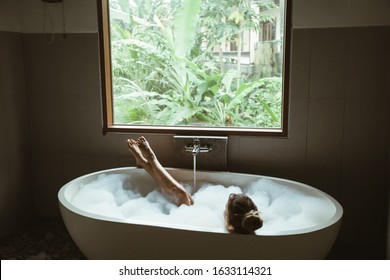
x=117, y=196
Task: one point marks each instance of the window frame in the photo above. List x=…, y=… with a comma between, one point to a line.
x=107, y=92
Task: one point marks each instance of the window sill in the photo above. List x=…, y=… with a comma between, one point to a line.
x=190, y=130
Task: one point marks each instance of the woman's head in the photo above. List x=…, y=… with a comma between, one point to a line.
x=241, y=214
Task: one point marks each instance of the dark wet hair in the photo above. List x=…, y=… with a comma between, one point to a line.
x=242, y=215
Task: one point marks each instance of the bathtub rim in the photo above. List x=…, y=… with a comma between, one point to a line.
x=336, y=218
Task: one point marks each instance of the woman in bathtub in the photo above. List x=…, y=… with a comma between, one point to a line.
x=241, y=214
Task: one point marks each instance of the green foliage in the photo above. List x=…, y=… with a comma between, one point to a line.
x=165, y=73
x=185, y=25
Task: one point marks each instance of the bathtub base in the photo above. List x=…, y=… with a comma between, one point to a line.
x=106, y=240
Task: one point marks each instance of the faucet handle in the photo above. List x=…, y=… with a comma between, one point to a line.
x=205, y=149
x=201, y=149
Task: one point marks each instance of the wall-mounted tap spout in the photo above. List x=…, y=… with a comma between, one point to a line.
x=196, y=147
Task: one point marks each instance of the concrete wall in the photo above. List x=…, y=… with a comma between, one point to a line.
x=79, y=16
x=340, y=13
x=388, y=205
x=339, y=123
x=15, y=186
x=9, y=16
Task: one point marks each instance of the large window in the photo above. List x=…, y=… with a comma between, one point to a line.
x=210, y=66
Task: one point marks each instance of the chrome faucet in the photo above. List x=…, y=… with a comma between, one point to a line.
x=196, y=147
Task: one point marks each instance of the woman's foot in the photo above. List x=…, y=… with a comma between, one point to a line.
x=139, y=158
x=146, y=150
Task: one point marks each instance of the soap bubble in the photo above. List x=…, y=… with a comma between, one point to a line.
x=120, y=196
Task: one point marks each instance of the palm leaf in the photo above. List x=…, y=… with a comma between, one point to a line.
x=185, y=26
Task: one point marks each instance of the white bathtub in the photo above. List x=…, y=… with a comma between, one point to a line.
x=101, y=237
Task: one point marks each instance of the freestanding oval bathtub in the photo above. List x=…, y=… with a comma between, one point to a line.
x=102, y=237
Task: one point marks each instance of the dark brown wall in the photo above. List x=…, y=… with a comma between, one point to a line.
x=15, y=183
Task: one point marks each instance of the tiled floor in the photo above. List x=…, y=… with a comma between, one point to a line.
x=48, y=239
x=44, y=239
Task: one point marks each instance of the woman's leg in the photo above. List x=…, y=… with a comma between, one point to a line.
x=146, y=158
x=165, y=180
